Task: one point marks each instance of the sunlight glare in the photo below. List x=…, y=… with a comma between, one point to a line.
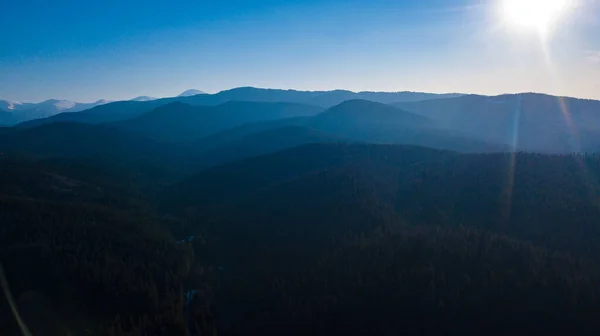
x=537, y=14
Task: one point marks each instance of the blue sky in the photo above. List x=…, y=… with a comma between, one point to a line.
x=88, y=50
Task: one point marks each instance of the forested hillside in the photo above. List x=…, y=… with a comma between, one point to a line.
x=348, y=232
x=113, y=234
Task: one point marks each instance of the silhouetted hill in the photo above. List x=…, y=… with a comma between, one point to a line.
x=265, y=142
x=99, y=143
x=237, y=133
x=354, y=114
x=532, y=122
x=379, y=123
x=182, y=122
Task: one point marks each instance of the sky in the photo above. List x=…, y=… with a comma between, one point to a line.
x=109, y=49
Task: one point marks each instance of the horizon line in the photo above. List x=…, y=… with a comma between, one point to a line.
x=300, y=90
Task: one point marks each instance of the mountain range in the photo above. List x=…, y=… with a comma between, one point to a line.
x=212, y=135
x=19, y=112
x=127, y=109
x=528, y=121
x=278, y=212
x=179, y=122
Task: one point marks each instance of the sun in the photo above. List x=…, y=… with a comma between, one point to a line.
x=534, y=14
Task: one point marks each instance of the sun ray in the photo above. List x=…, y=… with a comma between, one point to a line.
x=540, y=15
x=512, y=163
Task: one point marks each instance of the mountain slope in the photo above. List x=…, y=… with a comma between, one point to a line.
x=238, y=180
x=93, y=254
x=362, y=113
x=181, y=122
x=265, y=142
x=319, y=239
x=98, y=143
x=321, y=233
x=71, y=180
x=237, y=133
x=110, y=112
x=7, y=118
x=532, y=122
x=363, y=121
x=523, y=195
x=379, y=123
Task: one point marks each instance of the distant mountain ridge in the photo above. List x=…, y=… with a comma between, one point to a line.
x=143, y=98
x=350, y=121
x=27, y=111
x=178, y=121
x=324, y=99
x=527, y=121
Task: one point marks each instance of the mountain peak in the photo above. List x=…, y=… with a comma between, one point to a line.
x=143, y=98
x=191, y=92
x=59, y=104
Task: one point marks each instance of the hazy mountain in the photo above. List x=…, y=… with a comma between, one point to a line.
x=353, y=114
x=8, y=105
x=454, y=123
x=364, y=121
x=191, y=92
x=84, y=106
x=7, y=118
x=532, y=122
x=28, y=111
x=180, y=122
x=143, y=98
x=332, y=98
x=320, y=98
x=116, y=111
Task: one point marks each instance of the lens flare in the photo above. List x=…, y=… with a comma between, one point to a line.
x=537, y=14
